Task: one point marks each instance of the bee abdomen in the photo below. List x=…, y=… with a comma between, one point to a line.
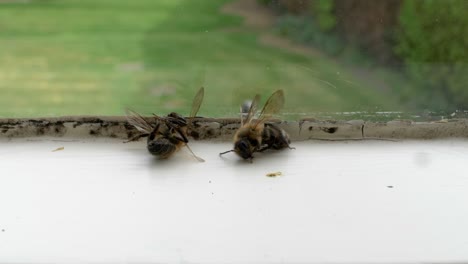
x=275, y=137
x=161, y=147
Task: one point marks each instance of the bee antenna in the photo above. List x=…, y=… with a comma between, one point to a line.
x=222, y=153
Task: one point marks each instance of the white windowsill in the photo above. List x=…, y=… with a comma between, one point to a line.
x=99, y=200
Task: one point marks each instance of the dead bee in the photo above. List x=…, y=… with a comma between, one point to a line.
x=169, y=133
x=258, y=135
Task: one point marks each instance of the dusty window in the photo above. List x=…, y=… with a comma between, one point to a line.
x=334, y=59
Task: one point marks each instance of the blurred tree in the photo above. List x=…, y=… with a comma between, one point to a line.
x=425, y=39
x=295, y=6
x=324, y=12
x=370, y=25
x=433, y=42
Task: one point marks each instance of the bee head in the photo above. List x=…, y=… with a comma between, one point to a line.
x=245, y=148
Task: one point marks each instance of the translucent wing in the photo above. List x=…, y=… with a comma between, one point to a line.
x=197, y=100
x=138, y=121
x=253, y=109
x=272, y=106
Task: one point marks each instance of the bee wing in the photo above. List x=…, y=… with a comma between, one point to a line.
x=272, y=106
x=138, y=121
x=252, y=110
x=197, y=101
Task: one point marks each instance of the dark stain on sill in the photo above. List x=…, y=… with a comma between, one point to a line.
x=329, y=130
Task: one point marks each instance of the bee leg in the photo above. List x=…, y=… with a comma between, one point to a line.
x=137, y=137
x=155, y=131
x=180, y=135
x=264, y=148
x=177, y=129
x=222, y=153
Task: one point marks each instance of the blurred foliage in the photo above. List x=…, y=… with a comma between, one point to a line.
x=305, y=29
x=273, y=5
x=433, y=43
x=295, y=6
x=268, y=2
x=423, y=41
x=323, y=11
x=369, y=25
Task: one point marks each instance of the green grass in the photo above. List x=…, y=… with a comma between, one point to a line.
x=75, y=57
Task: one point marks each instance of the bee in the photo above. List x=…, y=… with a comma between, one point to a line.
x=258, y=135
x=169, y=133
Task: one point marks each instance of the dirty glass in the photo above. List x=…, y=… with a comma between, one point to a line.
x=341, y=59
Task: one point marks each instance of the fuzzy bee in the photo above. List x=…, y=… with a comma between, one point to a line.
x=258, y=135
x=169, y=133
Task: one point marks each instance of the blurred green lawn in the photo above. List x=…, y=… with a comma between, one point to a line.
x=75, y=57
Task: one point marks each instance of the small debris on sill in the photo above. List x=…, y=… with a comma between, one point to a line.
x=274, y=174
x=390, y=186
x=58, y=149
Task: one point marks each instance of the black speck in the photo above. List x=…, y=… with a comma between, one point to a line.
x=3, y=230
x=390, y=186
x=92, y=132
x=212, y=193
x=209, y=181
x=310, y=128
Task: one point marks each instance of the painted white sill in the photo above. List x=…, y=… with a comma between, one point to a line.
x=101, y=201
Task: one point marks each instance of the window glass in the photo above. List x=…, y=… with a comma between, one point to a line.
x=340, y=59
